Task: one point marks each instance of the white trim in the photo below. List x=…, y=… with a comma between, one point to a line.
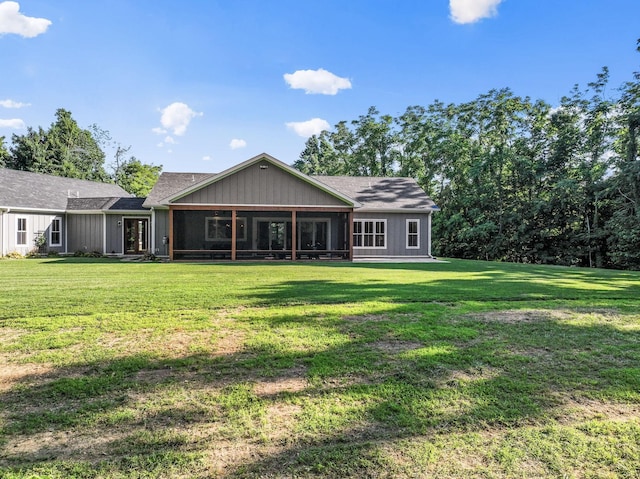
x=4, y=239
x=152, y=226
x=429, y=234
x=104, y=233
x=59, y=243
x=19, y=209
x=374, y=233
x=264, y=208
x=370, y=209
x=408, y=233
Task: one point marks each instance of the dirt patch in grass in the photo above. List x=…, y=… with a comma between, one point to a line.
x=396, y=347
x=11, y=373
x=517, y=316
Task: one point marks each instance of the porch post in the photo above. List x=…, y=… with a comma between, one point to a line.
x=234, y=233
x=171, y=233
x=293, y=235
x=350, y=229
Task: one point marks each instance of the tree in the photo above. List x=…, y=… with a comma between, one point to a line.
x=136, y=177
x=63, y=150
x=4, y=153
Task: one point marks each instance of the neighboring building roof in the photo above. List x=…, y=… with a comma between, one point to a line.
x=105, y=204
x=23, y=189
x=170, y=184
x=381, y=193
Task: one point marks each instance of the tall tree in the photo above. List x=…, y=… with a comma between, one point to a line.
x=136, y=177
x=4, y=153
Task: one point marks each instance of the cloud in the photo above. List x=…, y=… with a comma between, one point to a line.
x=176, y=117
x=236, y=143
x=170, y=140
x=13, y=104
x=309, y=128
x=471, y=11
x=12, y=21
x=317, y=81
x=206, y=158
x=14, y=123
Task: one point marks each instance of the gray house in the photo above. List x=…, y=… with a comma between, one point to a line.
x=259, y=209
x=263, y=208
x=71, y=215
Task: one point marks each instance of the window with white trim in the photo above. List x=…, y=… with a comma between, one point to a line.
x=21, y=232
x=55, y=232
x=370, y=234
x=413, y=234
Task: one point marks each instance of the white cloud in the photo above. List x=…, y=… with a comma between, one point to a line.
x=14, y=123
x=159, y=131
x=317, y=81
x=236, y=143
x=13, y=104
x=308, y=128
x=176, y=117
x=12, y=21
x=470, y=11
x=206, y=158
x=169, y=140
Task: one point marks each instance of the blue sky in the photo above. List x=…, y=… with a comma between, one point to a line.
x=203, y=85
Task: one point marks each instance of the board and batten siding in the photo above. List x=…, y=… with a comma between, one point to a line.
x=396, y=239
x=262, y=184
x=36, y=224
x=115, y=237
x=85, y=233
x=161, y=229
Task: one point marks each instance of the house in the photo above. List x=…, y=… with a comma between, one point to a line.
x=69, y=214
x=259, y=209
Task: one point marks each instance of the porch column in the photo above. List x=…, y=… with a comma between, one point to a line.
x=171, y=233
x=350, y=230
x=293, y=235
x=234, y=234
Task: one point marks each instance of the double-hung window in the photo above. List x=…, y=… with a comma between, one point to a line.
x=370, y=234
x=55, y=232
x=413, y=234
x=21, y=232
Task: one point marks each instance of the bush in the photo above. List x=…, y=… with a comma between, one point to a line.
x=14, y=255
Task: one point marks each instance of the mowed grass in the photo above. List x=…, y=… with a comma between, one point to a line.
x=460, y=369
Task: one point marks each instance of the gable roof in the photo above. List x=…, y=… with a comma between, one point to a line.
x=170, y=184
x=169, y=187
x=387, y=193
x=23, y=189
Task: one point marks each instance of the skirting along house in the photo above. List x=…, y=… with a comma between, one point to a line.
x=259, y=209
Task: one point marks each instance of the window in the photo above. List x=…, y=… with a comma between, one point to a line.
x=55, y=232
x=21, y=232
x=219, y=229
x=413, y=234
x=370, y=234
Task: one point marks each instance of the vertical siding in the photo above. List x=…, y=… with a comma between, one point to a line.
x=262, y=186
x=161, y=227
x=114, y=234
x=85, y=233
x=36, y=224
x=396, y=234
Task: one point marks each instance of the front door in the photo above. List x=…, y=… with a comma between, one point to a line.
x=136, y=236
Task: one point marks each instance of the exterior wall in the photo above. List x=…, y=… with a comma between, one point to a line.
x=161, y=229
x=114, y=234
x=85, y=233
x=36, y=224
x=396, y=238
x=256, y=185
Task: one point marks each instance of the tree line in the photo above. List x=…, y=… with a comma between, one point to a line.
x=65, y=149
x=516, y=179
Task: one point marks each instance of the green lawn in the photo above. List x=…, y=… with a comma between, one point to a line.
x=458, y=369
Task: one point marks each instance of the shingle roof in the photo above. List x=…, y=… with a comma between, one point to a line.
x=23, y=189
x=171, y=183
x=105, y=204
x=381, y=193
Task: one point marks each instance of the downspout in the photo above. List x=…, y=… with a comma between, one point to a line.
x=66, y=233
